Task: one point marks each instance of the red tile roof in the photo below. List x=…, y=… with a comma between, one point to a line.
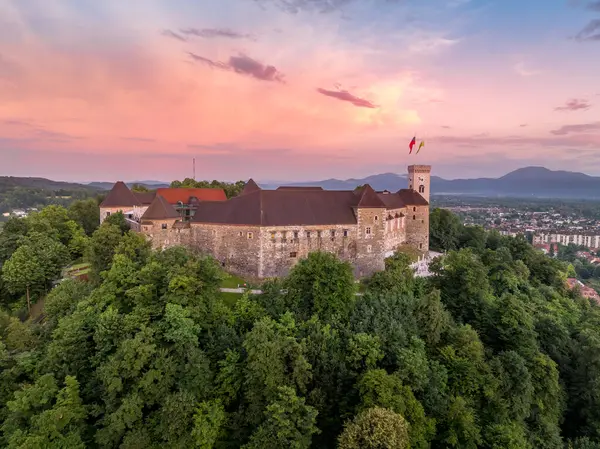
x=173, y=196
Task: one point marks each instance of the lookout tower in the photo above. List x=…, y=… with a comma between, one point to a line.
x=419, y=179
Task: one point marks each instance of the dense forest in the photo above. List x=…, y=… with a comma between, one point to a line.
x=492, y=351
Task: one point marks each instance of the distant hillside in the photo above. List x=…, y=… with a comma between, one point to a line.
x=524, y=182
x=10, y=182
x=148, y=184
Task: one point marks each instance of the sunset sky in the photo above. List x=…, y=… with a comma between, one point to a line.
x=101, y=90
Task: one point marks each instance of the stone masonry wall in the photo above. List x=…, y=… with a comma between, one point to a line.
x=417, y=227
x=106, y=211
x=256, y=252
x=284, y=246
x=370, y=242
x=165, y=237
x=395, y=229
x=138, y=211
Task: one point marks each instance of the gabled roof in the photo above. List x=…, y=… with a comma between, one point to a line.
x=174, y=195
x=160, y=209
x=300, y=206
x=282, y=208
x=250, y=187
x=369, y=198
x=120, y=196
x=411, y=197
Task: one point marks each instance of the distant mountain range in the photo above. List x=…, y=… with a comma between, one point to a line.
x=149, y=184
x=524, y=182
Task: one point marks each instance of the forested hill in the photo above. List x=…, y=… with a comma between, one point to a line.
x=492, y=351
x=10, y=182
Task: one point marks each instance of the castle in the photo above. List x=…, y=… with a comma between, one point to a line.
x=263, y=233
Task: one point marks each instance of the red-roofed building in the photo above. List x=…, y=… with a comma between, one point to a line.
x=586, y=292
x=184, y=201
x=186, y=196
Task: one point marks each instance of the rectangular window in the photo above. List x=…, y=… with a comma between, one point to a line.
x=108, y=214
x=250, y=235
x=345, y=233
x=307, y=234
x=272, y=236
x=293, y=254
x=319, y=234
x=333, y=232
x=164, y=226
x=368, y=230
x=295, y=234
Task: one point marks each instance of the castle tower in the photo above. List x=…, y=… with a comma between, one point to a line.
x=419, y=179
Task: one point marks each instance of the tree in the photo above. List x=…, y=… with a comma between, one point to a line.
x=290, y=423
x=321, y=284
x=117, y=219
x=86, y=213
x=34, y=265
x=375, y=428
x=101, y=248
x=444, y=230
x=22, y=272
x=139, y=188
x=41, y=415
x=10, y=235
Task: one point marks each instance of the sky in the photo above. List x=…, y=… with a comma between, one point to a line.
x=291, y=90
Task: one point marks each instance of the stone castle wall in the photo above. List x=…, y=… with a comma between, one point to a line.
x=395, y=232
x=284, y=246
x=370, y=250
x=417, y=227
x=262, y=252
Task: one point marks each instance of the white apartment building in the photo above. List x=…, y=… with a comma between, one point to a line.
x=587, y=240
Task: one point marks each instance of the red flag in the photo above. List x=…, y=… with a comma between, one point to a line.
x=412, y=144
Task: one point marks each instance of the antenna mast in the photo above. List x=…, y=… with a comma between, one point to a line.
x=194, y=165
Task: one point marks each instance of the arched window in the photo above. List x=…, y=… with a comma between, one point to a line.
x=421, y=189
